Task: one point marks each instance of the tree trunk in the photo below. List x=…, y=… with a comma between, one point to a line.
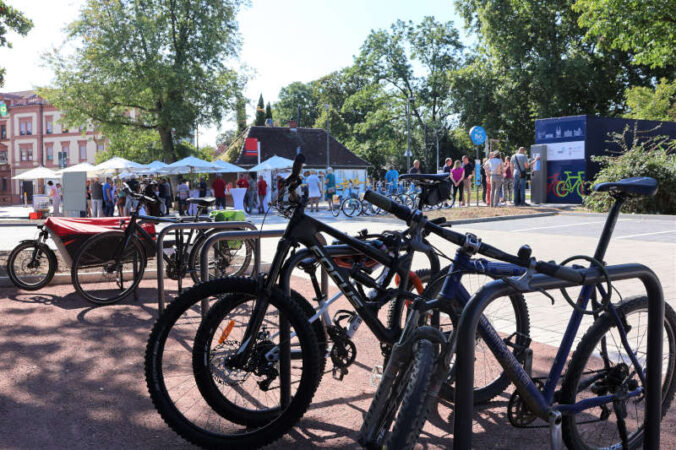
x=167, y=144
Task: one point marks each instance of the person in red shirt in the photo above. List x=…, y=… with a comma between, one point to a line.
x=242, y=183
x=262, y=192
x=218, y=186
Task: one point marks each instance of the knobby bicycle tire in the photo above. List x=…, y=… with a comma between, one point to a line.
x=586, y=353
x=433, y=286
x=97, y=251
x=244, y=438
x=42, y=249
x=413, y=411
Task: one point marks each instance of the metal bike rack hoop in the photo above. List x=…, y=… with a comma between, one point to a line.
x=466, y=340
x=186, y=226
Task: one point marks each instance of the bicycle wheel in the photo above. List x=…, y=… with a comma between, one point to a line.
x=172, y=367
x=601, y=366
x=103, y=272
x=351, y=207
x=509, y=316
x=31, y=265
x=410, y=384
x=335, y=209
x=227, y=258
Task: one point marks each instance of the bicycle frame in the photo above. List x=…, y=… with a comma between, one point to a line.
x=540, y=403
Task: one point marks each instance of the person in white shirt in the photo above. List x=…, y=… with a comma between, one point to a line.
x=494, y=170
x=54, y=196
x=314, y=190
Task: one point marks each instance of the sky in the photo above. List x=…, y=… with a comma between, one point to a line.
x=282, y=41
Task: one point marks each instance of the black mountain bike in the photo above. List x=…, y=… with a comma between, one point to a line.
x=259, y=353
x=109, y=266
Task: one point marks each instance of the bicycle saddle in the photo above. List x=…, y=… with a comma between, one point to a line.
x=635, y=185
x=425, y=178
x=203, y=201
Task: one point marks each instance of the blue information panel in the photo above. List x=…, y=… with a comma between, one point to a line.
x=562, y=129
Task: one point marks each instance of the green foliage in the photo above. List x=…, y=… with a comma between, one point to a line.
x=654, y=158
x=535, y=63
x=268, y=111
x=653, y=104
x=290, y=97
x=138, y=145
x=647, y=28
x=240, y=111
x=11, y=19
x=260, y=112
x=151, y=65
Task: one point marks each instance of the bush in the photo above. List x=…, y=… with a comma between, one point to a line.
x=654, y=158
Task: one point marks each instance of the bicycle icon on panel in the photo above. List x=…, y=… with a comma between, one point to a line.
x=572, y=183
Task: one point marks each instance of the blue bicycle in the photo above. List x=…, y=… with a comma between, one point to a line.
x=601, y=400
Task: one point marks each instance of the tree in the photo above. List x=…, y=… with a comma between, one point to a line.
x=294, y=95
x=653, y=104
x=647, y=28
x=151, y=65
x=260, y=112
x=240, y=112
x=268, y=112
x=540, y=66
x=14, y=20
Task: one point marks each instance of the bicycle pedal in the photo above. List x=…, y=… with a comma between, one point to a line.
x=376, y=375
x=339, y=373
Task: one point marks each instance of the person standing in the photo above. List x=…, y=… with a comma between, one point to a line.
x=203, y=187
x=457, y=175
x=218, y=185
x=495, y=168
x=183, y=190
x=53, y=194
x=262, y=193
x=134, y=187
x=108, y=198
x=468, y=167
x=97, y=198
x=507, y=180
x=520, y=164
x=415, y=168
x=392, y=180
x=251, y=190
x=121, y=200
x=88, y=190
x=330, y=182
x=448, y=166
x=314, y=190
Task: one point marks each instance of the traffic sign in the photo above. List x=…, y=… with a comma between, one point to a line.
x=3, y=109
x=477, y=135
x=408, y=153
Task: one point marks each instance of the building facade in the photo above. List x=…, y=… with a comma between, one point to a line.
x=32, y=135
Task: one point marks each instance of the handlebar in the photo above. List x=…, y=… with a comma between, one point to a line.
x=142, y=197
x=404, y=213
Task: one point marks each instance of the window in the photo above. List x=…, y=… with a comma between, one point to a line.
x=3, y=131
x=50, y=151
x=49, y=125
x=83, y=151
x=25, y=127
x=26, y=152
x=4, y=184
x=65, y=155
x=3, y=157
x=99, y=147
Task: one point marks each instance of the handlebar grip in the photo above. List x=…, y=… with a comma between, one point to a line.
x=400, y=211
x=561, y=272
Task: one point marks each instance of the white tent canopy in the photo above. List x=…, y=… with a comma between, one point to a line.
x=226, y=167
x=273, y=163
x=153, y=167
x=82, y=167
x=37, y=173
x=188, y=165
x=117, y=163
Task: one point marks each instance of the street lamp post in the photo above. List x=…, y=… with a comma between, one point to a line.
x=328, y=164
x=408, y=132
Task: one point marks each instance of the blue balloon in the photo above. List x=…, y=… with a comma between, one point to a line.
x=477, y=135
